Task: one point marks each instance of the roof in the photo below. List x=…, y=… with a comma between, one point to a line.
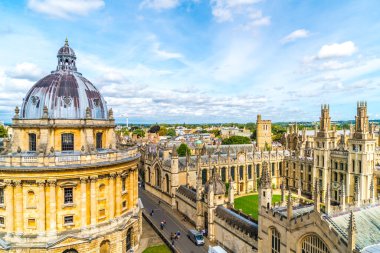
x=367, y=226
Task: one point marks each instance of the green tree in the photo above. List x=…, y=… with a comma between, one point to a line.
x=163, y=131
x=139, y=133
x=154, y=129
x=3, y=132
x=171, y=132
x=277, y=132
x=236, y=140
x=183, y=149
x=215, y=132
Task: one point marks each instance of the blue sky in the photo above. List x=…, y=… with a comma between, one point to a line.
x=200, y=60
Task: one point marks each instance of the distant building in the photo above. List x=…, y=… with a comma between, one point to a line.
x=263, y=133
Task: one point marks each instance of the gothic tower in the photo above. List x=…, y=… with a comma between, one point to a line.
x=265, y=191
x=263, y=133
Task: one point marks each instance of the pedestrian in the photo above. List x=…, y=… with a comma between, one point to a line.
x=151, y=212
x=173, y=243
x=164, y=222
x=162, y=225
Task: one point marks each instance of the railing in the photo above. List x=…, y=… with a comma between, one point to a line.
x=65, y=158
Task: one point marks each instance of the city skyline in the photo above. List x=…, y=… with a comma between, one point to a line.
x=200, y=61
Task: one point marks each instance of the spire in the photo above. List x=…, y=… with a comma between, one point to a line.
x=66, y=42
x=351, y=232
x=265, y=180
x=328, y=198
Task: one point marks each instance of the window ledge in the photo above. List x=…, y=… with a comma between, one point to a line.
x=2, y=225
x=68, y=205
x=124, y=192
x=2, y=206
x=31, y=207
x=69, y=225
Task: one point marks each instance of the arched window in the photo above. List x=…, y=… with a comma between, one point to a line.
x=128, y=240
x=249, y=171
x=31, y=200
x=149, y=175
x=241, y=172
x=105, y=247
x=67, y=142
x=275, y=241
x=223, y=171
x=313, y=244
x=204, y=176
x=32, y=142
x=70, y=251
x=232, y=173
x=99, y=137
x=167, y=182
x=158, y=177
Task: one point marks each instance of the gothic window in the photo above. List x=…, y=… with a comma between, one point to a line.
x=272, y=169
x=1, y=195
x=204, y=176
x=167, y=182
x=257, y=170
x=105, y=247
x=223, y=171
x=128, y=241
x=99, y=137
x=158, y=177
x=276, y=243
x=233, y=173
x=249, y=171
x=67, y=142
x=241, y=172
x=32, y=142
x=68, y=195
x=313, y=244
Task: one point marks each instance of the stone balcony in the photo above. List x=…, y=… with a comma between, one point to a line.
x=74, y=159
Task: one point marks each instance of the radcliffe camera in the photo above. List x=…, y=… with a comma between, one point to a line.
x=189, y=126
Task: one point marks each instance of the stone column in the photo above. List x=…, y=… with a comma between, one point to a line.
x=41, y=207
x=118, y=195
x=130, y=189
x=53, y=206
x=9, y=191
x=83, y=202
x=136, y=187
x=111, y=197
x=18, y=198
x=94, y=199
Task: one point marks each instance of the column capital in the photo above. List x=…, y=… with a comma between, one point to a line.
x=83, y=180
x=113, y=175
x=52, y=182
x=93, y=178
x=8, y=182
x=41, y=183
x=17, y=183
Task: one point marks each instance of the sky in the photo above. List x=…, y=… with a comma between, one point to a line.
x=200, y=61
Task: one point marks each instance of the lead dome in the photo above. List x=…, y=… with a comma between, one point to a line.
x=65, y=93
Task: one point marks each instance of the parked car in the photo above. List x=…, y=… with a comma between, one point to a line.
x=216, y=249
x=196, y=237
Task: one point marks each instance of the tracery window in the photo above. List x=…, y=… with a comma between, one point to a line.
x=275, y=241
x=249, y=171
x=233, y=173
x=32, y=142
x=313, y=244
x=241, y=173
x=67, y=142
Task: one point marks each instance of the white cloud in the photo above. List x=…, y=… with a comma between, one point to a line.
x=295, y=35
x=159, y=4
x=337, y=50
x=25, y=70
x=166, y=55
x=65, y=8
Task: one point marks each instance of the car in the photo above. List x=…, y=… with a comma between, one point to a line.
x=196, y=237
x=216, y=249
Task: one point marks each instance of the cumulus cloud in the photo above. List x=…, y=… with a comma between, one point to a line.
x=65, y=8
x=25, y=70
x=295, y=35
x=347, y=48
x=159, y=4
x=166, y=55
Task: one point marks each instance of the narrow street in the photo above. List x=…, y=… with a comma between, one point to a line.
x=173, y=223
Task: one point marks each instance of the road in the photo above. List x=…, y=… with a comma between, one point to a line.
x=173, y=223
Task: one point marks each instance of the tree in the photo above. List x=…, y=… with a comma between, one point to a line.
x=183, y=149
x=216, y=132
x=278, y=131
x=171, y=132
x=123, y=131
x=139, y=133
x=3, y=132
x=236, y=140
x=154, y=129
x=163, y=131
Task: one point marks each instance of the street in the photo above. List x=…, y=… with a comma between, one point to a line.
x=173, y=223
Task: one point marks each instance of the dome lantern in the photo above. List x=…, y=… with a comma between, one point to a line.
x=66, y=58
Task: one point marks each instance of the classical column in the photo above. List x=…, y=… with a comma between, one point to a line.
x=118, y=194
x=41, y=207
x=130, y=188
x=136, y=187
x=53, y=206
x=111, y=197
x=83, y=202
x=19, y=219
x=9, y=191
x=94, y=199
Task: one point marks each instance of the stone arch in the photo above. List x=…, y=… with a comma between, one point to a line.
x=312, y=243
x=105, y=246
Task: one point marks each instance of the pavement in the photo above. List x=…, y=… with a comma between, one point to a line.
x=174, y=223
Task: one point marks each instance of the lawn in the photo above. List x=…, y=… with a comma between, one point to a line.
x=157, y=249
x=249, y=204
